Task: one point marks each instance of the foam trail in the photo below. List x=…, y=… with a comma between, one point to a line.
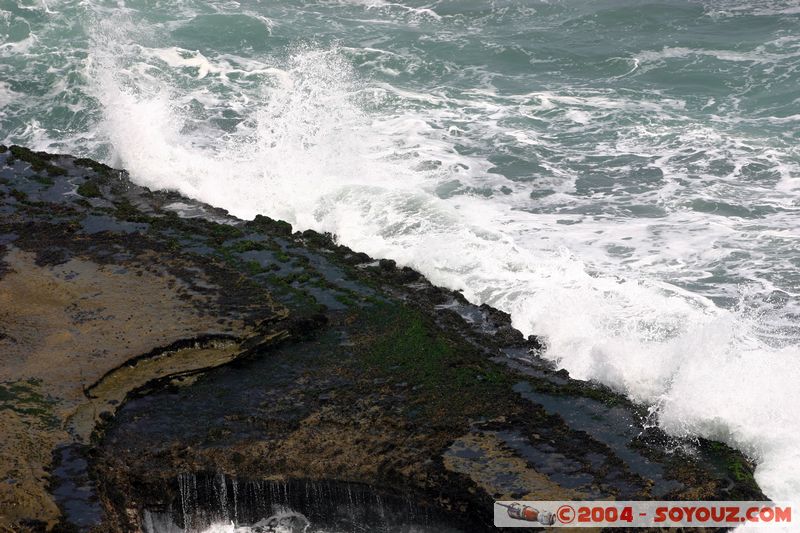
x=309, y=152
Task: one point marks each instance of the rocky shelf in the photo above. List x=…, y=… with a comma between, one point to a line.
x=165, y=364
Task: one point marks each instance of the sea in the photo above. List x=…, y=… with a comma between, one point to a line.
x=621, y=176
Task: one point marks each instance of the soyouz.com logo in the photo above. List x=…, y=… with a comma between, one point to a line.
x=641, y=514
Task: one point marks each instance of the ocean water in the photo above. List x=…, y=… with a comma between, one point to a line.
x=622, y=176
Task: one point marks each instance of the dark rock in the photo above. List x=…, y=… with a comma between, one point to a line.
x=387, y=264
x=39, y=161
x=89, y=189
x=408, y=275
x=304, y=326
x=52, y=256
x=276, y=227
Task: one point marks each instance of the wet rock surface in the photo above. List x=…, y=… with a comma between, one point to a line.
x=148, y=340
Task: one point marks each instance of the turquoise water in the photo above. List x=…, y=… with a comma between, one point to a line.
x=622, y=177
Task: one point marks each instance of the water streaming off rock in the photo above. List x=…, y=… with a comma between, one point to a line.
x=215, y=503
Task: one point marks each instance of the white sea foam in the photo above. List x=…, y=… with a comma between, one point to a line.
x=6, y=95
x=282, y=520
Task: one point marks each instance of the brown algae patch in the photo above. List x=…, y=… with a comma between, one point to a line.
x=27, y=437
x=484, y=458
x=69, y=330
x=72, y=323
